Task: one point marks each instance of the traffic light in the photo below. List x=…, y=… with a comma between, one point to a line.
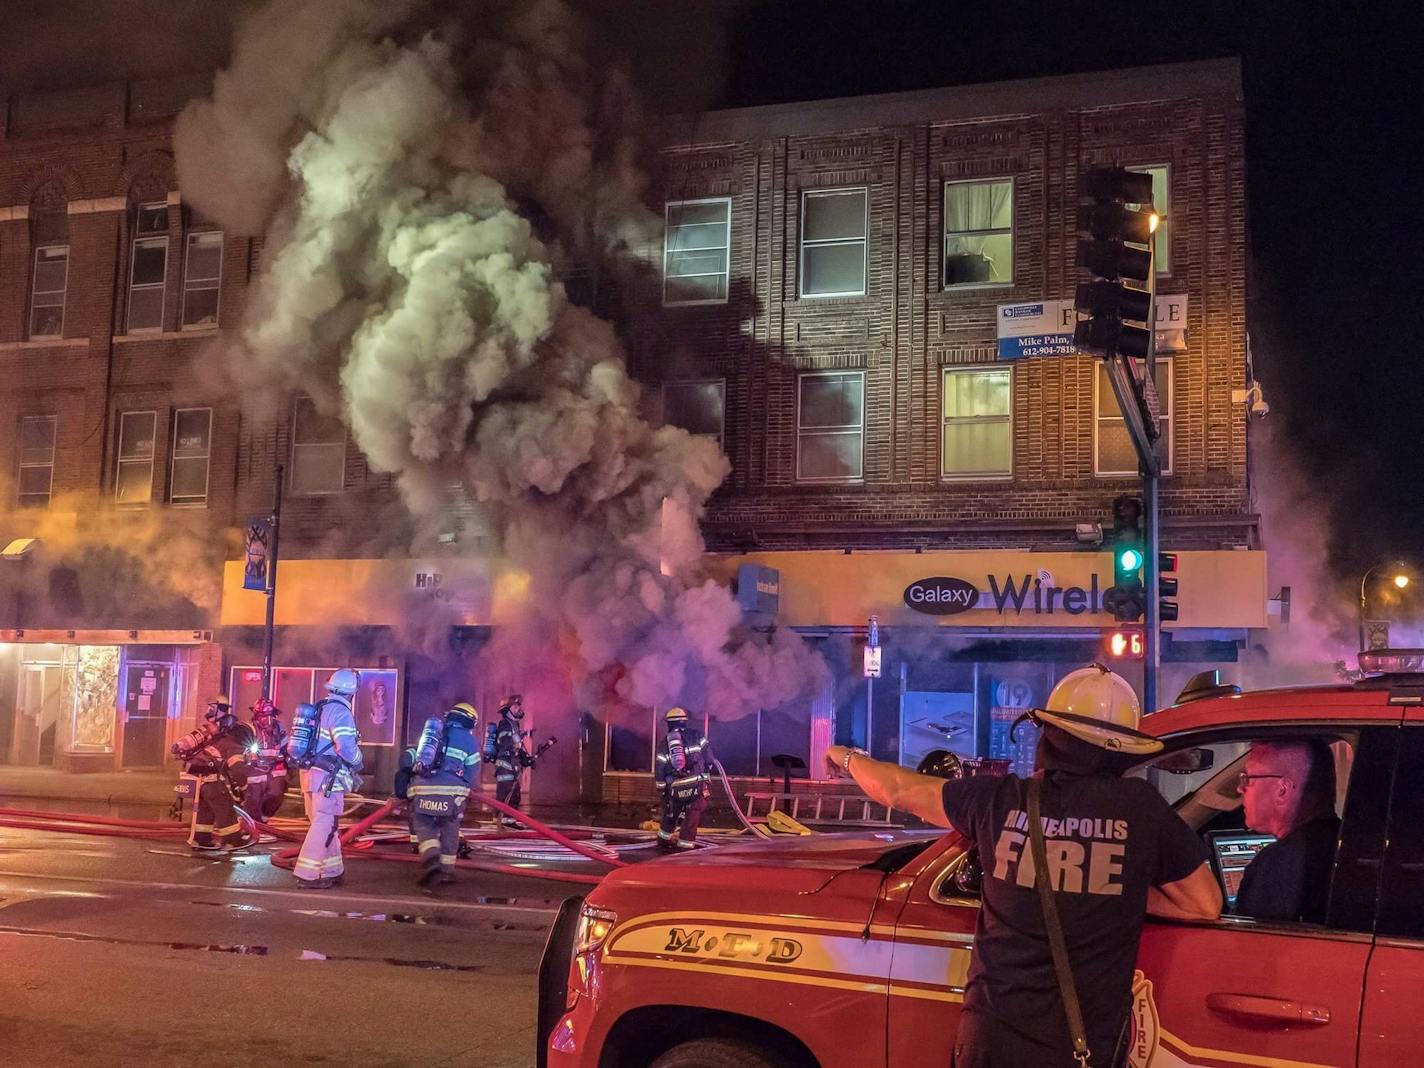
x=1166, y=587
x=1129, y=595
x=1124, y=643
x=1117, y=249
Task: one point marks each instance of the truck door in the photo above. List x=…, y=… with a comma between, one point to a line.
x=1391, y=1028
x=1243, y=991
x=930, y=961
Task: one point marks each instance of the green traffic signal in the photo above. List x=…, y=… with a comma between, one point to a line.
x=1129, y=560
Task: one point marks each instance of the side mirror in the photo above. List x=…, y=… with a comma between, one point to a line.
x=969, y=876
x=1186, y=761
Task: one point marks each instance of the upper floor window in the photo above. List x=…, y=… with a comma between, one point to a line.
x=36, y=460
x=695, y=251
x=978, y=432
x=192, y=445
x=318, y=450
x=830, y=426
x=833, y=242
x=149, y=267
x=133, y=481
x=697, y=407
x=1162, y=244
x=47, y=294
x=1113, y=451
x=979, y=233
x=202, y=278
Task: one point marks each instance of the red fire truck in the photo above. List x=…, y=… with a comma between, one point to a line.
x=851, y=950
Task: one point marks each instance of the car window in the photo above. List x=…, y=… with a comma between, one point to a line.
x=1401, y=912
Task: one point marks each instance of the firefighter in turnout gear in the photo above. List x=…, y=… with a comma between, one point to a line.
x=215, y=755
x=267, y=766
x=446, y=766
x=684, y=760
x=510, y=756
x=330, y=759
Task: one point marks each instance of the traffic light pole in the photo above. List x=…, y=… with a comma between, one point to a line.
x=1152, y=623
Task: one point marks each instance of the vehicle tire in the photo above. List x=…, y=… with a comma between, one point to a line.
x=721, y=1053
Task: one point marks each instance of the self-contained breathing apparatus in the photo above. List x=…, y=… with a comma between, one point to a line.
x=302, y=746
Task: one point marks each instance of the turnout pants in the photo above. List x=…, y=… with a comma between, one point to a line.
x=263, y=795
x=215, y=823
x=435, y=815
x=983, y=1042
x=507, y=789
x=320, y=856
x=682, y=817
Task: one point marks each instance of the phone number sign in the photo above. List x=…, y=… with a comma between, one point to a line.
x=1036, y=328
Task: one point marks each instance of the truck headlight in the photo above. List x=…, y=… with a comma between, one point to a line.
x=593, y=928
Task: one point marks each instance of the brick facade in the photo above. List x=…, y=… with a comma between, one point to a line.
x=902, y=150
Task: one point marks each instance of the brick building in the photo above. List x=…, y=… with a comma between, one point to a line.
x=843, y=285
x=851, y=289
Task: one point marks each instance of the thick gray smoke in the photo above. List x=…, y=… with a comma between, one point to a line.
x=419, y=185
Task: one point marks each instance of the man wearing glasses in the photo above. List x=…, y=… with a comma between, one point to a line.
x=1288, y=790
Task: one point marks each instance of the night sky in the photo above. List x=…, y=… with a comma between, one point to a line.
x=1333, y=106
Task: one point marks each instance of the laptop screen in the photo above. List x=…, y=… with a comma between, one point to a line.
x=1231, y=851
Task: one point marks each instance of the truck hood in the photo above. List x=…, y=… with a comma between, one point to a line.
x=792, y=863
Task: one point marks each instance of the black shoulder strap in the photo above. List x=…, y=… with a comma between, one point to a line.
x=1054, y=927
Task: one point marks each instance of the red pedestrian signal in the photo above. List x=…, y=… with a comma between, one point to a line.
x=1123, y=643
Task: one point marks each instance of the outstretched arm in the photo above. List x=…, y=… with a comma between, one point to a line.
x=1197, y=897
x=889, y=784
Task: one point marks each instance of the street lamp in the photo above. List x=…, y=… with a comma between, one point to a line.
x=1399, y=578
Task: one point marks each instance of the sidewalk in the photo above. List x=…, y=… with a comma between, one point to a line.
x=111, y=787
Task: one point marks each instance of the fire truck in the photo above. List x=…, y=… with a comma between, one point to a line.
x=851, y=950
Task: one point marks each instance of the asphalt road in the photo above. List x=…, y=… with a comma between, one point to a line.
x=126, y=952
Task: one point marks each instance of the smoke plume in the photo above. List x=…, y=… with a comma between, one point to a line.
x=421, y=183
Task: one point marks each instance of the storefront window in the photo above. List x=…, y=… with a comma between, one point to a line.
x=630, y=742
x=735, y=742
x=377, y=703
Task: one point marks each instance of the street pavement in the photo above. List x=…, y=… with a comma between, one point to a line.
x=132, y=952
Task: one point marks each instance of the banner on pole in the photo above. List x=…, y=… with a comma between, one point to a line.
x=257, y=543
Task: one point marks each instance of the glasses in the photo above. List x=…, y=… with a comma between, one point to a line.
x=1245, y=779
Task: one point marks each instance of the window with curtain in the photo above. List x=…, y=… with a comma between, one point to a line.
x=133, y=481
x=148, y=267
x=35, y=460
x=696, y=247
x=697, y=407
x=833, y=243
x=1162, y=244
x=830, y=426
x=978, y=431
x=1113, y=452
x=192, y=445
x=978, y=233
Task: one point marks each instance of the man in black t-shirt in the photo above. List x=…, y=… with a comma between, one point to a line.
x=1288, y=790
x=1115, y=851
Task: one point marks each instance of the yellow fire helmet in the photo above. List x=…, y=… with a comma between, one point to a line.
x=465, y=709
x=676, y=714
x=1100, y=708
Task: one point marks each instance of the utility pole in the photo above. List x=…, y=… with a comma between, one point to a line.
x=271, y=590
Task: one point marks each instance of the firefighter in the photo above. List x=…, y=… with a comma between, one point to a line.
x=405, y=774
x=333, y=753
x=215, y=755
x=446, y=765
x=509, y=755
x=267, y=774
x=1121, y=853
x=683, y=770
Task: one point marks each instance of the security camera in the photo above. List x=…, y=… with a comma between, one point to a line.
x=1251, y=396
x=1259, y=408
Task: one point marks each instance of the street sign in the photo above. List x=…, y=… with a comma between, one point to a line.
x=257, y=541
x=872, y=662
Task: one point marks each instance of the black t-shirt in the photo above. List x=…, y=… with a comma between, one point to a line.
x=1108, y=840
x=1290, y=879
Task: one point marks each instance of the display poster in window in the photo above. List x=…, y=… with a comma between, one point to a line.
x=375, y=707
